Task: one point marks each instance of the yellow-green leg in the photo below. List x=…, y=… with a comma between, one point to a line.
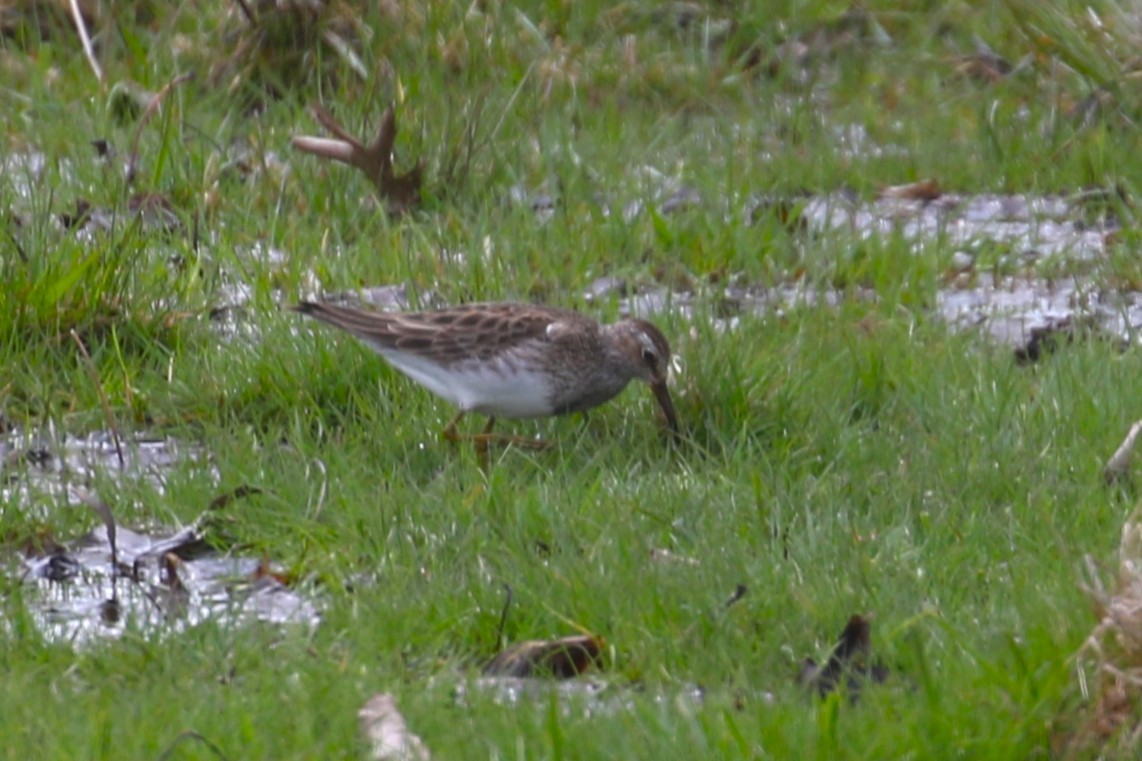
x=486, y=437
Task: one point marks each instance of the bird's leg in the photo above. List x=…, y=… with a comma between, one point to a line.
x=486, y=437
x=449, y=433
x=481, y=444
x=505, y=438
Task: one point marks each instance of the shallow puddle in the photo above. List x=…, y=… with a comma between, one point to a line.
x=114, y=579
x=81, y=590
x=1014, y=300
x=50, y=460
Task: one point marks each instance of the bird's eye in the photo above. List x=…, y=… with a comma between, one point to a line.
x=650, y=357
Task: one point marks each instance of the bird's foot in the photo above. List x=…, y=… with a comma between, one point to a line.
x=486, y=438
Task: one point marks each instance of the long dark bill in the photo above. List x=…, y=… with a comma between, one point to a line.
x=662, y=394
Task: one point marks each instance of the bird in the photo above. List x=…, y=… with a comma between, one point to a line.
x=511, y=360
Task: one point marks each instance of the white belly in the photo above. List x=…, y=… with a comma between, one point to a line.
x=497, y=389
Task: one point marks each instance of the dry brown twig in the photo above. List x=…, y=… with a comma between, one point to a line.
x=103, y=401
x=85, y=39
x=401, y=192
x=1118, y=466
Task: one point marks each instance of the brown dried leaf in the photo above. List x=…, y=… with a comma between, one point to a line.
x=563, y=658
x=848, y=663
x=983, y=64
x=924, y=190
x=983, y=67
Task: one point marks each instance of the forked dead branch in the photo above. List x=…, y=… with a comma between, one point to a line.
x=375, y=159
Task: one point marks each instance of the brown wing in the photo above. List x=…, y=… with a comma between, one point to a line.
x=472, y=331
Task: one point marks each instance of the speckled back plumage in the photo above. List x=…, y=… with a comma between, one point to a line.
x=472, y=331
x=512, y=360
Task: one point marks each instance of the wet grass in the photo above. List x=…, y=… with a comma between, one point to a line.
x=853, y=458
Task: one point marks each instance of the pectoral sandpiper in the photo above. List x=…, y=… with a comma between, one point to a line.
x=512, y=360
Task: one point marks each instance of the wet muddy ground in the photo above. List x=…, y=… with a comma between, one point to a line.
x=113, y=578
x=1001, y=279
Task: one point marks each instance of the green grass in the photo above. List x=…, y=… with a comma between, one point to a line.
x=856, y=458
